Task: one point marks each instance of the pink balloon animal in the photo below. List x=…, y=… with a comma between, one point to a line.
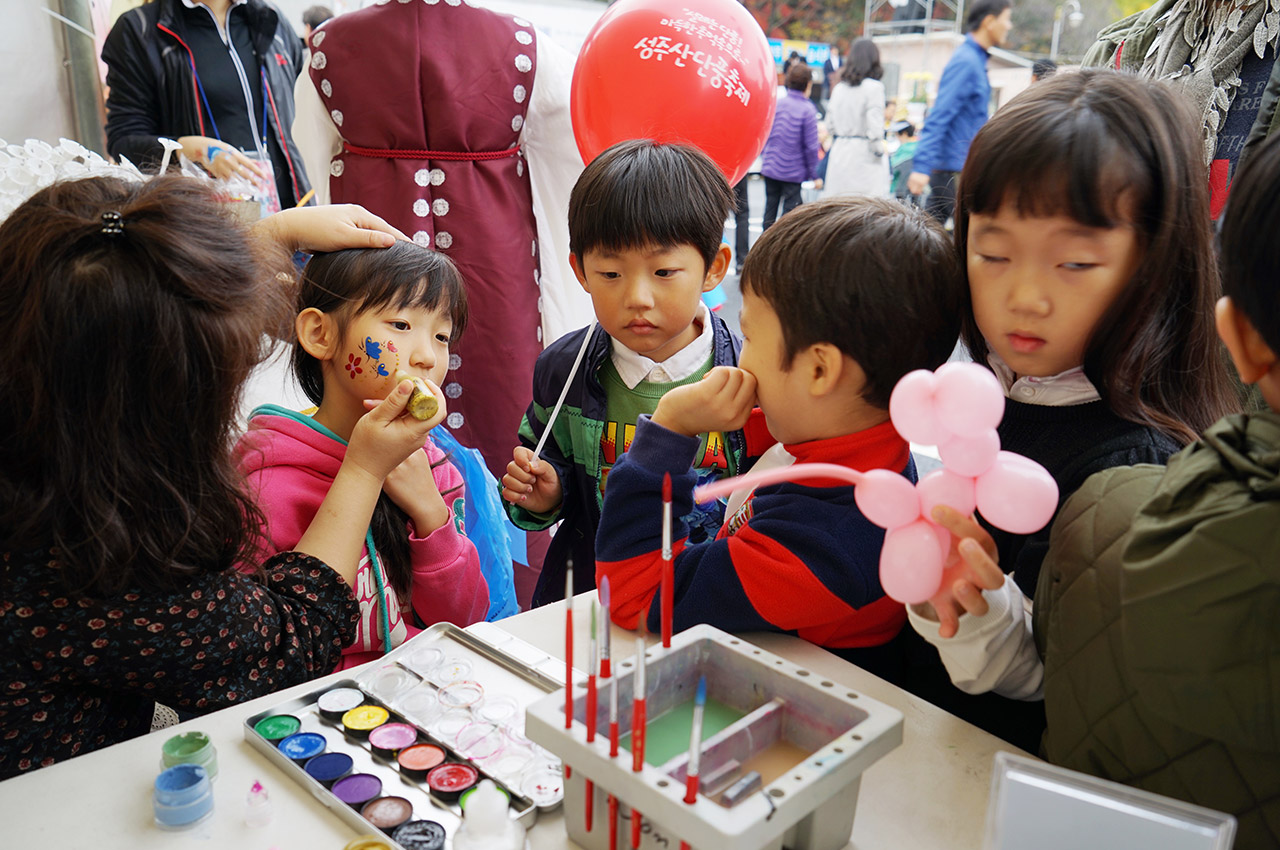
x=956, y=408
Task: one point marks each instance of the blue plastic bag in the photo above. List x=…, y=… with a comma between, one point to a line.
x=487, y=526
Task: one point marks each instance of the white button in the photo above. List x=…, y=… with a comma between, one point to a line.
x=523, y=63
x=444, y=240
x=455, y=361
x=453, y=390
x=454, y=421
x=440, y=206
x=421, y=208
x=422, y=238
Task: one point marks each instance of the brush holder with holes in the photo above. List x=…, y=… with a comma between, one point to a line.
x=809, y=738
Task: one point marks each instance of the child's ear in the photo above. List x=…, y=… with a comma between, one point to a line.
x=317, y=333
x=825, y=365
x=1251, y=354
x=576, y=265
x=718, y=269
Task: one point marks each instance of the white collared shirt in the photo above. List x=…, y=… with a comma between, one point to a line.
x=1062, y=390
x=634, y=368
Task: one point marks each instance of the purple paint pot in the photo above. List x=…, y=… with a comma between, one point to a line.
x=387, y=813
x=302, y=746
x=329, y=767
x=420, y=835
x=357, y=789
x=386, y=739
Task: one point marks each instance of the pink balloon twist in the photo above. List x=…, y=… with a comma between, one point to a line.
x=956, y=408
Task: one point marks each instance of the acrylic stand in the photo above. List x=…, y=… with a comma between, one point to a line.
x=832, y=735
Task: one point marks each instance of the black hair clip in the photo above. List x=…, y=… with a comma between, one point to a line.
x=112, y=223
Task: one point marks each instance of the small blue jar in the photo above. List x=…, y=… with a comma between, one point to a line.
x=183, y=797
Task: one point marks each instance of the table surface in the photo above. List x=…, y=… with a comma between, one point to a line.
x=931, y=792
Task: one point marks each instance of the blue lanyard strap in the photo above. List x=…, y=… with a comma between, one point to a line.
x=262, y=75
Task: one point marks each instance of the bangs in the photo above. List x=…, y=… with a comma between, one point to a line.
x=1070, y=165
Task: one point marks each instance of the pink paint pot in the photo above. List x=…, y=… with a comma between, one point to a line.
x=387, y=739
x=387, y=813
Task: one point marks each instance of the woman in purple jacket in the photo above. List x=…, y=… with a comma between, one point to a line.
x=791, y=153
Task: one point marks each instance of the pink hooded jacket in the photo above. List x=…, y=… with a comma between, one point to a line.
x=290, y=461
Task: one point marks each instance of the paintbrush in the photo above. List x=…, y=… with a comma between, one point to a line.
x=591, y=707
x=695, y=748
x=668, y=568
x=638, y=721
x=606, y=669
x=568, y=650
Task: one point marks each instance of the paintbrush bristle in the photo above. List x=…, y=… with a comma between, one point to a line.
x=701, y=697
x=666, y=486
x=604, y=593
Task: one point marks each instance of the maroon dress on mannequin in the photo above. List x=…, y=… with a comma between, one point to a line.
x=429, y=98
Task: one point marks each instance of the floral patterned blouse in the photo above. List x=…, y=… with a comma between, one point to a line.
x=78, y=674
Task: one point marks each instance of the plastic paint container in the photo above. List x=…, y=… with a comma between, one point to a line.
x=328, y=768
x=420, y=835
x=337, y=702
x=415, y=761
x=277, y=726
x=462, y=800
x=464, y=694
x=302, y=746
x=426, y=659
x=389, y=737
x=480, y=741
x=387, y=813
x=391, y=682
x=357, y=789
x=447, y=726
x=420, y=704
x=190, y=748
x=359, y=721
x=183, y=796
x=449, y=780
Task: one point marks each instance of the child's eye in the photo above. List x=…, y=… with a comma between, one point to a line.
x=666, y=272
x=444, y=338
x=400, y=325
x=609, y=275
x=988, y=258
x=1079, y=267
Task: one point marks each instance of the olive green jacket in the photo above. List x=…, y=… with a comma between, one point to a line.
x=1158, y=617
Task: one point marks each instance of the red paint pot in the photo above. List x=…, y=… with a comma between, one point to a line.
x=449, y=780
x=387, y=813
x=415, y=761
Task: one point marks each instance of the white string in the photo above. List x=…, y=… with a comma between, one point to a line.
x=555, y=411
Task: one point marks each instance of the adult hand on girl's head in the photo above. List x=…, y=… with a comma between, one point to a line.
x=971, y=568
x=721, y=401
x=328, y=228
x=387, y=434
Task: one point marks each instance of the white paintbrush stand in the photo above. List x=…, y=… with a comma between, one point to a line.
x=809, y=807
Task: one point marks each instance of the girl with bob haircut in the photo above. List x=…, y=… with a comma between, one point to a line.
x=130, y=316
x=363, y=317
x=1083, y=220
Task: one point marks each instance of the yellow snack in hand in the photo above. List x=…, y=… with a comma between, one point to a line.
x=422, y=404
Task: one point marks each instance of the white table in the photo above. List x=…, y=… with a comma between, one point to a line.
x=929, y=793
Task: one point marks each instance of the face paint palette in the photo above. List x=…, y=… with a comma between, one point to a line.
x=394, y=748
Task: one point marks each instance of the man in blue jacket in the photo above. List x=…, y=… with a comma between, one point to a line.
x=960, y=109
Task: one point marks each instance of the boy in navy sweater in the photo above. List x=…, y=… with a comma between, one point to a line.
x=841, y=298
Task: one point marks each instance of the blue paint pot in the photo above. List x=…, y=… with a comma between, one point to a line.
x=329, y=767
x=183, y=797
x=303, y=745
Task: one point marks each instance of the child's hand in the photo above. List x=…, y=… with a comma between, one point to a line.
x=412, y=486
x=721, y=401
x=387, y=434
x=971, y=568
x=531, y=483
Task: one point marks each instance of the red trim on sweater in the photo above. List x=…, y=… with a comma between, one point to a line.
x=195, y=92
x=878, y=447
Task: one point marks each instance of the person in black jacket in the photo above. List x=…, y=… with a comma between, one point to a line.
x=215, y=75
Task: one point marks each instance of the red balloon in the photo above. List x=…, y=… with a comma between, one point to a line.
x=692, y=71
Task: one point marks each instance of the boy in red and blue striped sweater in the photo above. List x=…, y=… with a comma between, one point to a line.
x=841, y=298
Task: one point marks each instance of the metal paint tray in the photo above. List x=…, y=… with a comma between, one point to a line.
x=516, y=670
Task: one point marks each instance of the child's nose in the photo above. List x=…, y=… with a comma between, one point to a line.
x=639, y=293
x=424, y=354
x=1026, y=295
